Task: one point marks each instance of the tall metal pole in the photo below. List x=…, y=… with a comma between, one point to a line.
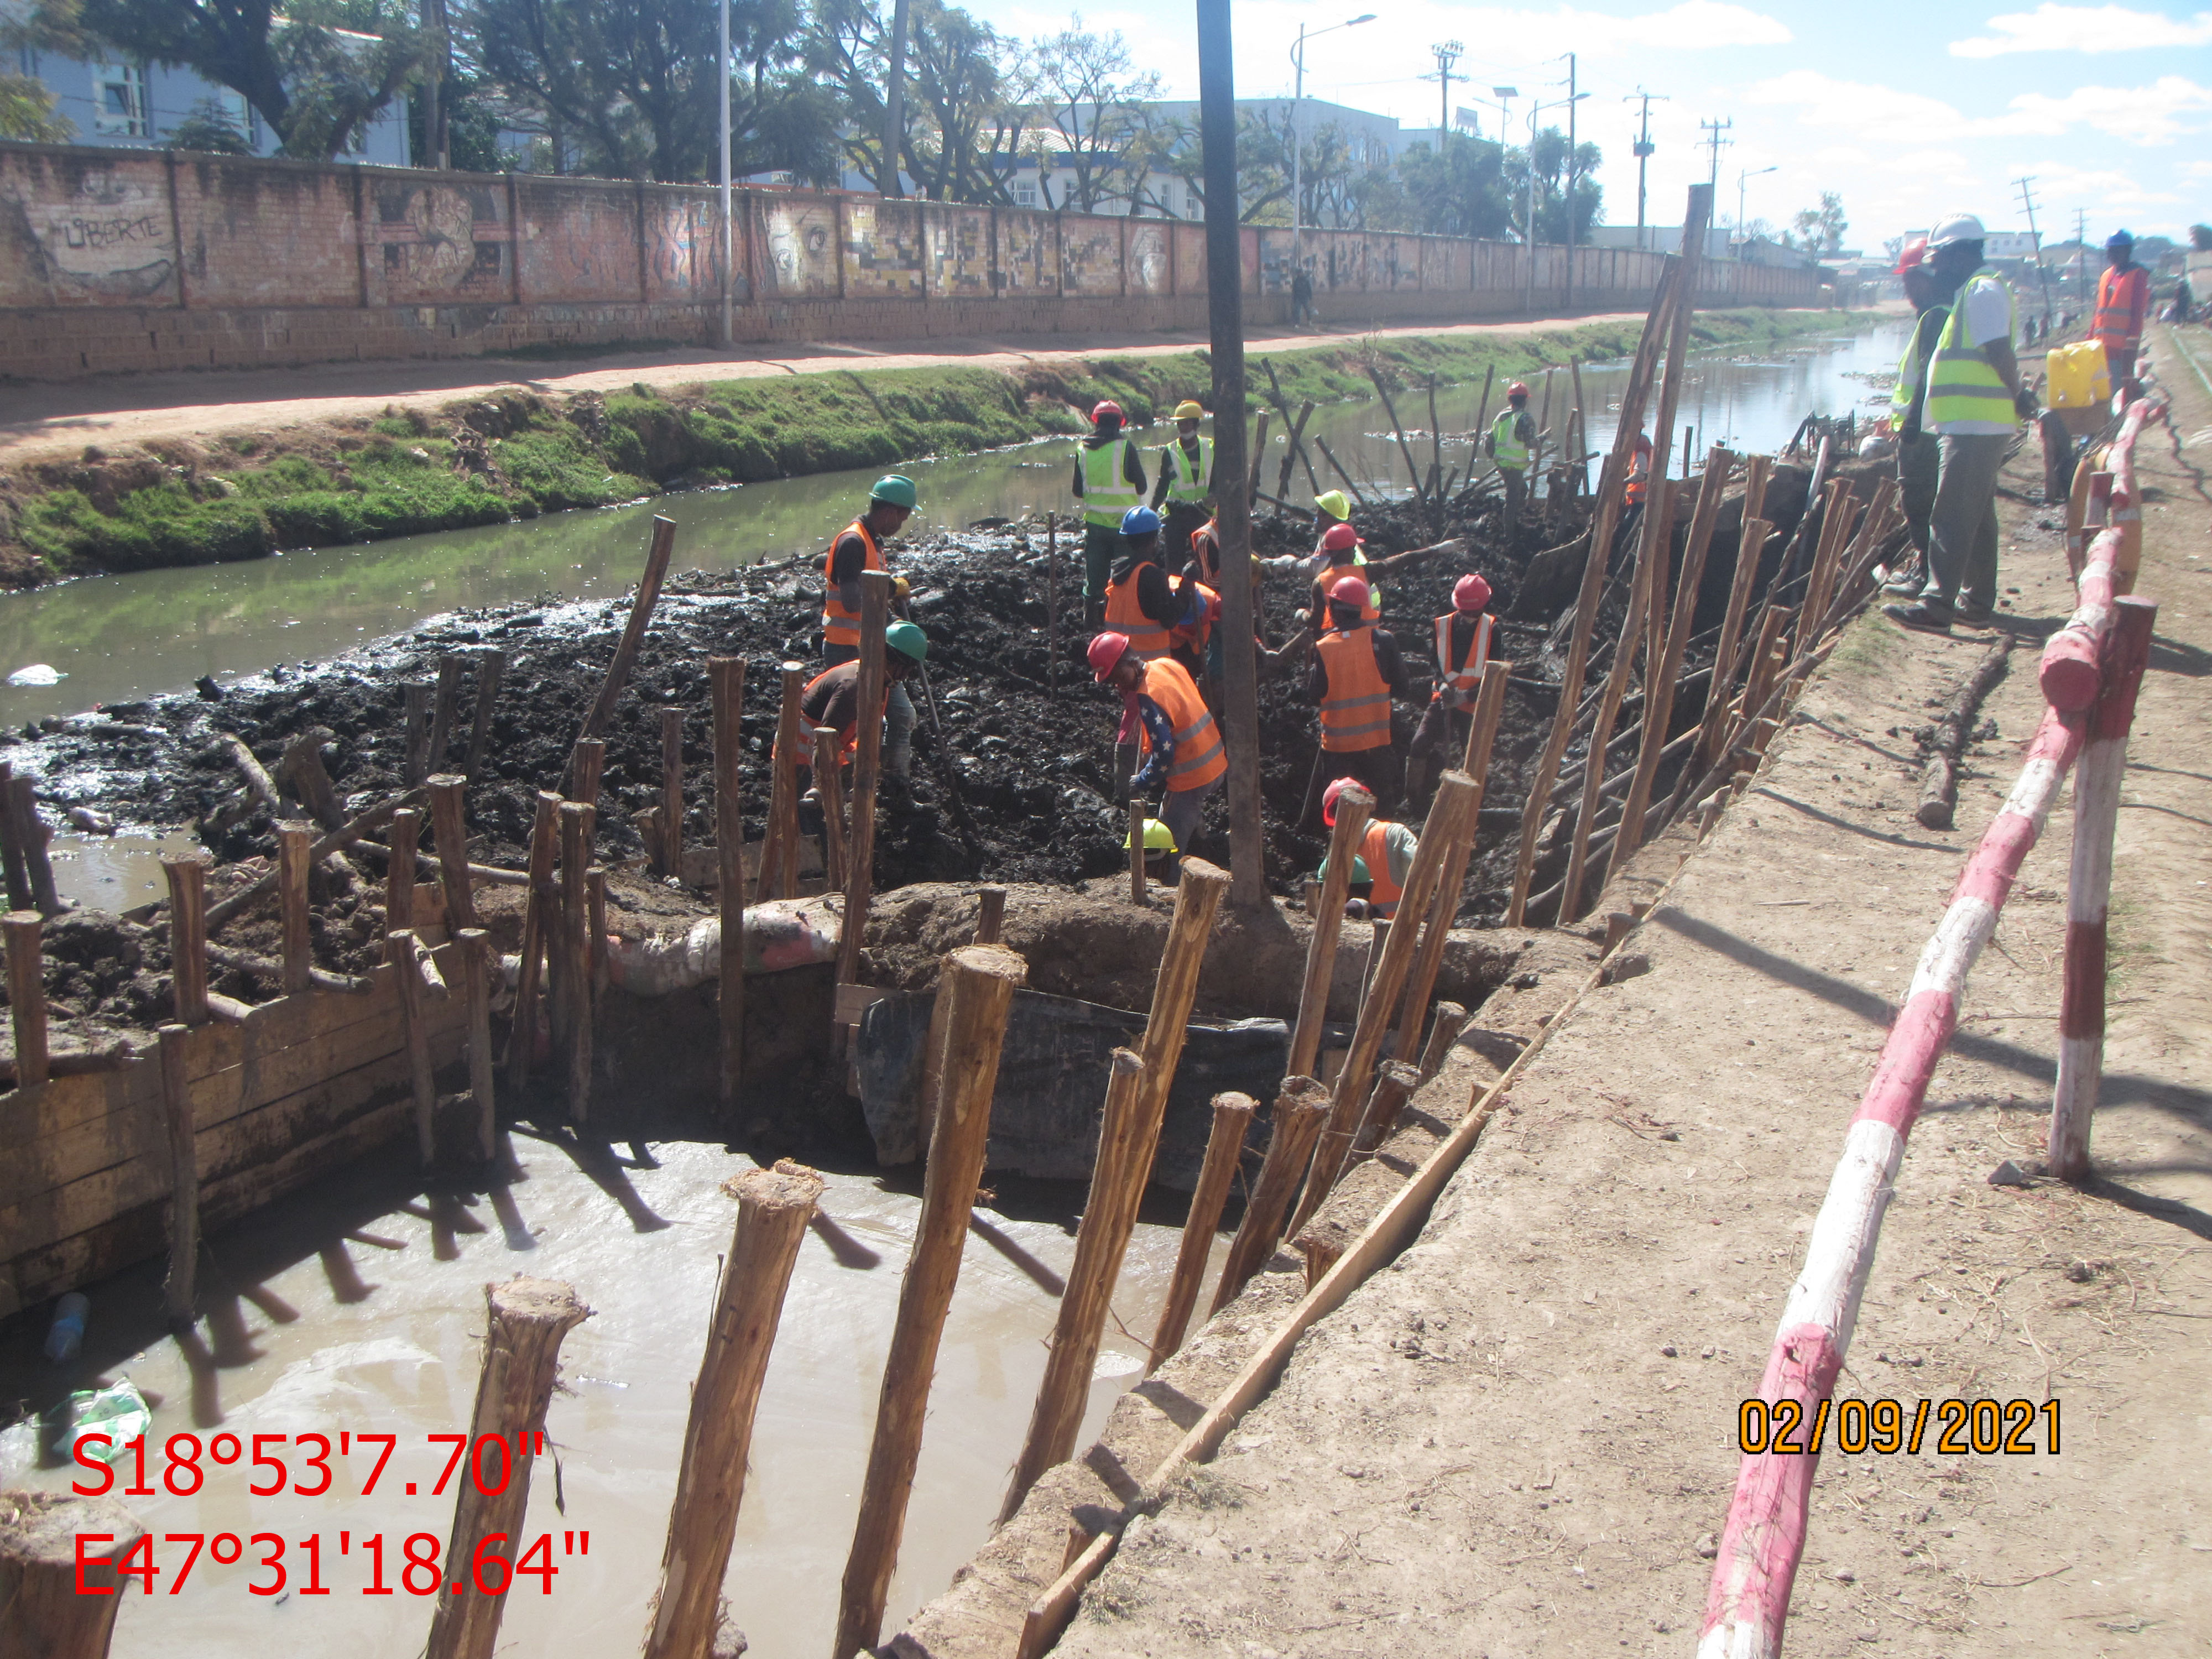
x=729, y=237
x=1569, y=302
x=1298, y=159
x=1224, y=273
x=895, y=105
x=2035, y=239
x=1529, y=298
x=1643, y=147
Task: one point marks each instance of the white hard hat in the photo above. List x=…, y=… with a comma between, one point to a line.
x=1959, y=227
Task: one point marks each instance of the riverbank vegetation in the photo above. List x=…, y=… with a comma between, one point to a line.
x=245, y=495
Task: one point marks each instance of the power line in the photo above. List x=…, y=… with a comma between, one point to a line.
x=1447, y=52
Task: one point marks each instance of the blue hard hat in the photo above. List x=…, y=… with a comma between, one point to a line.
x=1140, y=521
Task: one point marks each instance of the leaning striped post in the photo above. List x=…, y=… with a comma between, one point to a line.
x=1765, y=1536
x=2090, y=888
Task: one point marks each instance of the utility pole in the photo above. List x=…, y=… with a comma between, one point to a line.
x=1568, y=298
x=1297, y=143
x=1224, y=284
x=1643, y=151
x=729, y=237
x=2035, y=239
x=1447, y=53
x=1712, y=131
x=895, y=105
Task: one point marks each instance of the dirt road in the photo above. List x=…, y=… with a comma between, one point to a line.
x=1520, y=1441
x=134, y=409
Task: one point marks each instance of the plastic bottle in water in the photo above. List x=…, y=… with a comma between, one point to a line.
x=66, y=1334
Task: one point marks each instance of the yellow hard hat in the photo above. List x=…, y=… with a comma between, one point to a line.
x=1159, y=838
x=1335, y=504
x=1188, y=410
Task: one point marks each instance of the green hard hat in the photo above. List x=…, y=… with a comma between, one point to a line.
x=1335, y=504
x=1359, y=871
x=1159, y=838
x=896, y=489
x=908, y=640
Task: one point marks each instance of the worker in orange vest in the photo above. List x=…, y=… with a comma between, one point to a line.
x=858, y=547
x=2122, y=303
x=1162, y=710
x=1141, y=603
x=832, y=698
x=1463, y=644
x=1356, y=670
x=1386, y=855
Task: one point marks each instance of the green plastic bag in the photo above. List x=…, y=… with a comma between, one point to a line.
x=120, y=1413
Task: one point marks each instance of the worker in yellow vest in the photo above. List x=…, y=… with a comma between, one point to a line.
x=1109, y=480
x=1162, y=712
x=858, y=547
x=1975, y=403
x=1355, y=671
x=1185, y=482
x=1510, y=442
x=1385, y=860
x=1463, y=644
x=2122, y=305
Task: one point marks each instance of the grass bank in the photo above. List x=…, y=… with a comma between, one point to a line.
x=243, y=495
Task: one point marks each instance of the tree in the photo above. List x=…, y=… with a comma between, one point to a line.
x=1554, y=217
x=1459, y=192
x=27, y=112
x=317, y=73
x=1089, y=91
x=1821, y=228
x=962, y=118
x=211, y=129
x=1172, y=149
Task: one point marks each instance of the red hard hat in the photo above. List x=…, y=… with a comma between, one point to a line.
x=1516, y=390
x=1913, y=252
x=1349, y=590
x=1105, y=652
x=1470, y=593
x=1328, y=798
x=1338, y=537
x=1100, y=411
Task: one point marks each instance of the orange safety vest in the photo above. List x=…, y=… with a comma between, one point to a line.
x=1372, y=611
x=1125, y=616
x=1206, y=551
x=1198, y=759
x=1639, y=469
x=1456, y=683
x=1192, y=635
x=1384, y=894
x=838, y=625
x=2123, y=300
x=848, y=737
x=1355, y=711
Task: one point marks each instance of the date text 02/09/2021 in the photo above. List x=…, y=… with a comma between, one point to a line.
x=1983, y=1428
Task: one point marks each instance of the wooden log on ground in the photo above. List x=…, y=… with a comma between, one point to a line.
x=32, y=835
x=415, y=712
x=1109, y=1216
x=177, y=1288
x=1451, y=1019
x=293, y=842
x=990, y=914
x=59, y=1589
x=860, y=848
x=1393, y=1086
x=301, y=768
x=671, y=792
x=476, y=986
x=449, y=832
x=1300, y=1111
x=522, y=1034
x=451, y=667
x=18, y=871
x=575, y=952
x=1939, y=779
x=830, y=792
x=491, y=668
x=402, y=945
x=726, y=676
x=227, y=1011
x=271, y=968
x=1353, y=807
x=1225, y=1150
x=343, y=836
x=259, y=788
x=773, y=1208
x=26, y=995
x=525, y=1321
x=978, y=983
x=188, y=927
x=625, y=657
x=67, y=1059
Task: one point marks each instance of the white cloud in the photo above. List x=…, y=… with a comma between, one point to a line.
x=2100, y=188
x=2051, y=27
x=2155, y=114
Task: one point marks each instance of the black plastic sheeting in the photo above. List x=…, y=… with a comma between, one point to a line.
x=1052, y=1084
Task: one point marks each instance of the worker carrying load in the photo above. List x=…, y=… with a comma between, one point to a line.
x=1160, y=850
x=1109, y=481
x=858, y=547
x=1386, y=856
x=832, y=698
x=1462, y=647
x=2122, y=304
x=1356, y=668
x=1185, y=483
x=1510, y=441
x=1162, y=710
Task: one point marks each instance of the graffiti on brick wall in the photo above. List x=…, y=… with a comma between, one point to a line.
x=684, y=250
x=960, y=253
x=799, y=244
x=1190, y=258
x=436, y=241
x=110, y=240
x=1149, y=270
x=1090, y=256
x=882, y=251
x=1026, y=263
x=580, y=243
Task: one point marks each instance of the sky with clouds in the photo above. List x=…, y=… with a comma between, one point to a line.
x=1910, y=109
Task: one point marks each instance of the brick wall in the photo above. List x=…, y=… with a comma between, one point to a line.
x=116, y=261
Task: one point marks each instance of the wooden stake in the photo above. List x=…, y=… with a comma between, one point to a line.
x=728, y=676
x=831, y=797
x=860, y=850
x=586, y=764
x=187, y=879
x=400, y=946
x=1101, y=1242
x=476, y=969
x=450, y=667
x=293, y=842
x=11, y=844
x=779, y=863
x=625, y=658
x=491, y=667
x=1259, y=457
x=399, y=869
x=1451, y=1019
x=26, y=995
x=32, y=835
x=1444, y=910
x=522, y=1035
x=672, y=792
x=979, y=982
x=575, y=951
x=1136, y=850
x=991, y=915
x=595, y=943
x=1482, y=415
x=416, y=767
x=59, y=1591
x=1353, y=808
x=1300, y=1111
x=526, y=1320
x=183, y=1176
x=1393, y=1086
x=449, y=830
x=302, y=768
x=773, y=1208
x=1225, y=1150
x=1751, y=540
x=1052, y=603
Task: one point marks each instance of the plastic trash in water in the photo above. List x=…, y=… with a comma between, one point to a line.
x=66, y=1334
x=119, y=1412
x=37, y=673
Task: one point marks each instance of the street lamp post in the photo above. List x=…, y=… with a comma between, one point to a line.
x=1298, y=146
x=1529, y=301
x=1754, y=173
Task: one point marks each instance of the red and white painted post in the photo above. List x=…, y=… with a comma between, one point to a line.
x=2089, y=888
x=2070, y=677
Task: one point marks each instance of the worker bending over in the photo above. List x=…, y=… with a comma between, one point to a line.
x=1186, y=481
x=832, y=698
x=2122, y=304
x=1509, y=441
x=1386, y=855
x=1355, y=671
x=1109, y=480
x=1462, y=645
x=858, y=547
x=1182, y=745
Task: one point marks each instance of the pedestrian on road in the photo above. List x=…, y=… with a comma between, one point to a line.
x=1918, y=455
x=1975, y=403
x=1302, y=298
x=1109, y=480
x=1185, y=482
x=1511, y=438
x=1170, y=722
x=2122, y=303
x=1355, y=672
x=1386, y=858
x=1462, y=641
